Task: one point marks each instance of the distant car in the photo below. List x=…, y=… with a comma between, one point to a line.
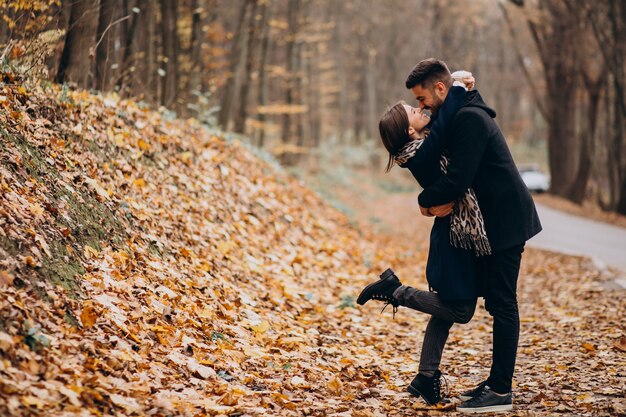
x=535, y=180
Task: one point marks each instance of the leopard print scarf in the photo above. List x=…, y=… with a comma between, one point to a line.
x=467, y=225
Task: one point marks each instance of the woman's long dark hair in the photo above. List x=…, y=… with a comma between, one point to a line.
x=394, y=130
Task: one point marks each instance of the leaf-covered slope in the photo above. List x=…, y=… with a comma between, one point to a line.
x=149, y=267
x=189, y=266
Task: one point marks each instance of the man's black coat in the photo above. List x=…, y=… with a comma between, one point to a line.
x=480, y=158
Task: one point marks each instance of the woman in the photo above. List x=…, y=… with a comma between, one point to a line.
x=451, y=267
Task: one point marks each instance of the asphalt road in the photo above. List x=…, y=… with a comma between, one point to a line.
x=570, y=234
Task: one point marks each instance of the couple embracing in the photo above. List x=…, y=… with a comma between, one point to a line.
x=483, y=213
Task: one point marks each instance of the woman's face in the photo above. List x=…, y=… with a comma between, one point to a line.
x=417, y=118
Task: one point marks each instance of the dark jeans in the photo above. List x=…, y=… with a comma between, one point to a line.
x=444, y=314
x=498, y=275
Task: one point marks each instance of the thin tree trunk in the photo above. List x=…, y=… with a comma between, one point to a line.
x=150, y=42
x=342, y=112
x=5, y=32
x=244, y=89
x=608, y=21
x=556, y=42
x=199, y=19
x=292, y=21
x=372, y=120
x=170, y=52
x=141, y=82
x=360, y=106
x=104, y=50
x=262, y=92
x=75, y=65
x=588, y=138
x=128, y=60
x=298, y=83
x=235, y=59
x=535, y=91
x=313, y=95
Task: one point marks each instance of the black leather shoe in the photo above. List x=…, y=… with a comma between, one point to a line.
x=381, y=290
x=427, y=388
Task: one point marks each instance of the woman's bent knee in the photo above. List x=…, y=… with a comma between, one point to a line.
x=465, y=312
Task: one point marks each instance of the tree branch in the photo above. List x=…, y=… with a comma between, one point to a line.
x=520, y=59
x=121, y=19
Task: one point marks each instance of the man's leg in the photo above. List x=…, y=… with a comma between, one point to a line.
x=501, y=273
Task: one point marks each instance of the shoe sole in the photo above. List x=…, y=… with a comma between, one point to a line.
x=360, y=300
x=385, y=275
x=414, y=392
x=490, y=409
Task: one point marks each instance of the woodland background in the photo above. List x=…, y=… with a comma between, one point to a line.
x=304, y=78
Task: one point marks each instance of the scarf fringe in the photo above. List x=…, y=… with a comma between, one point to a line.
x=479, y=244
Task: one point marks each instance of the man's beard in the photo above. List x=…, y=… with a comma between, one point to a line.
x=437, y=103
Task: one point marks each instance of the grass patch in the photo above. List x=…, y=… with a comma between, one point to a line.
x=88, y=220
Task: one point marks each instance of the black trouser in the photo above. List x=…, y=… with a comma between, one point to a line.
x=443, y=315
x=498, y=273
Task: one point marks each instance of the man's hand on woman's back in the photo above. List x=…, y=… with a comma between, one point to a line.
x=438, y=211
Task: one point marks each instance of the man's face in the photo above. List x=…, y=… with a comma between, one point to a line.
x=430, y=98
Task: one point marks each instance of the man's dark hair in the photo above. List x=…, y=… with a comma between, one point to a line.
x=427, y=72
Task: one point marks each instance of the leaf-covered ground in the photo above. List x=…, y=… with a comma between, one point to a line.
x=149, y=267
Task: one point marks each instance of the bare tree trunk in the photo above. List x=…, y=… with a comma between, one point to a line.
x=128, y=59
x=588, y=136
x=556, y=40
x=372, y=119
x=104, y=49
x=358, y=109
x=235, y=60
x=170, y=52
x=262, y=92
x=314, y=98
x=140, y=54
x=292, y=21
x=199, y=19
x=75, y=65
x=342, y=112
x=298, y=85
x=244, y=89
x=608, y=20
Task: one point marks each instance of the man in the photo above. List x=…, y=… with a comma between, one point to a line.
x=479, y=158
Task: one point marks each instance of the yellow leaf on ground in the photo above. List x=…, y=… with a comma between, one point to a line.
x=88, y=316
x=89, y=252
x=261, y=327
x=143, y=145
x=589, y=347
x=335, y=385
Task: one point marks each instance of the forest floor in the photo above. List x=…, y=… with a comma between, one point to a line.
x=151, y=267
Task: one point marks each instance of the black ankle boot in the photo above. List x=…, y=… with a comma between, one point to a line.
x=427, y=388
x=381, y=290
